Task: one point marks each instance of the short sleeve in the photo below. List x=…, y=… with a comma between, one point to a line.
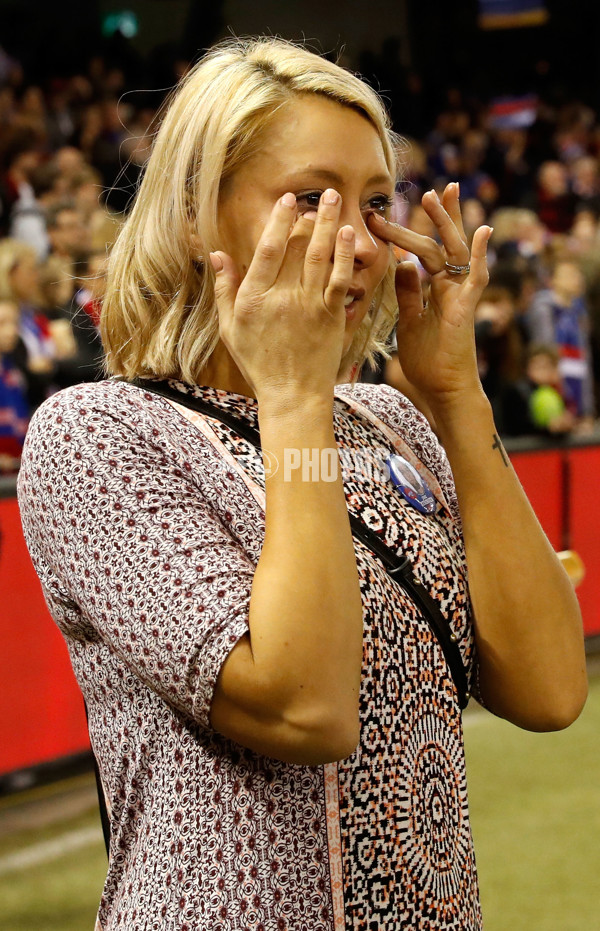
x=127, y=547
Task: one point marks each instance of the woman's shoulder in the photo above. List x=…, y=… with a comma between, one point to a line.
x=96, y=419
x=114, y=398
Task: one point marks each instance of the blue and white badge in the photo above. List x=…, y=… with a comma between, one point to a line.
x=411, y=486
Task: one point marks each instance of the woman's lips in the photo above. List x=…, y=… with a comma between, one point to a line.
x=351, y=301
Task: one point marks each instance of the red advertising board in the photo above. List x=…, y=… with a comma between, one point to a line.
x=41, y=708
x=584, y=524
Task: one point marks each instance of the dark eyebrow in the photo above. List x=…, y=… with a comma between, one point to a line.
x=335, y=179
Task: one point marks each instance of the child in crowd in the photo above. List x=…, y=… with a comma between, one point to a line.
x=547, y=408
x=538, y=403
x=558, y=316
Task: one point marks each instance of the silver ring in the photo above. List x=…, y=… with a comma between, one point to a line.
x=458, y=269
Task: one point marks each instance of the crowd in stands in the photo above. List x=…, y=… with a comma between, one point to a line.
x=72, y=150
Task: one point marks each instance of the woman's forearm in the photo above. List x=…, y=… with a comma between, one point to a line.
x=297, y=681
x=527, y=619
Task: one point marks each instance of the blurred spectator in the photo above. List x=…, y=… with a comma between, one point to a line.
x=102, y=224
x=69, y=237
x=585, y=176
x=506, y=160
x=14, y=407
x=70, y=162
x=553, y=201
x=474, y=216
x=517, y=232
x=20, y=284
x=499, y=348
x=21, y=155
x=48, y=185
x=583, y=237
x=547, y=407
x=60, y=120
x=91, y=127
x=106, y=153
x=558, y=316
x=86, y=189
x=56, y=284
x=56, y=289
x=535, y=403
x=83, y=316
x=32, y=110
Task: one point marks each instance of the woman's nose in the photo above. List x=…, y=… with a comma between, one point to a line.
x=366, y=246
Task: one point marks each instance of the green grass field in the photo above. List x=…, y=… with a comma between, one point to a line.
x=535, y=806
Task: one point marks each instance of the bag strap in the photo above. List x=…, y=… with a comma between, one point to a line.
x=398, y=567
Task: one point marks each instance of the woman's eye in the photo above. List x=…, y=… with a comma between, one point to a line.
x=309, y=200
x=381, y=203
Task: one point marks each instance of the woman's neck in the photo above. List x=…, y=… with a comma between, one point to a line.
x=222, y=372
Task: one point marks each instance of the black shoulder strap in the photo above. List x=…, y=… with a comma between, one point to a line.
x=398, y=567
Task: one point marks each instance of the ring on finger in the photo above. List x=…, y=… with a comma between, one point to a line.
x=457, y=269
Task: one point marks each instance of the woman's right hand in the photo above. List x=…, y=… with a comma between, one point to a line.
x=290, y=688
x=284, y=323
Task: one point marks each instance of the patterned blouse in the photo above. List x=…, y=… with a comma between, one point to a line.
x=145, y=523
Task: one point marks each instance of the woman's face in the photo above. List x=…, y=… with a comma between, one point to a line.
x=314, y=144
x=25, y=279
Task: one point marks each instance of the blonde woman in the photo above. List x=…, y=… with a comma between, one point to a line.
x=274, y=651
x=36, y=352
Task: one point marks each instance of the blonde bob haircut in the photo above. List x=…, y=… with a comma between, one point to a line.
x=159, y=313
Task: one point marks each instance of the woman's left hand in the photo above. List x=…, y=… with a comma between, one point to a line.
x=527, y=620
x=436, y=344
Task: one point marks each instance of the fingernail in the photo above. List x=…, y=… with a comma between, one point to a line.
x=457, y=186
x=491, y=230
x=330, y=196
x=347, y=233
x=216, y=261
x=435, y=194
x=288, y=200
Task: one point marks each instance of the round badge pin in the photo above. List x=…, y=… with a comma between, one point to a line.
x=411, y=485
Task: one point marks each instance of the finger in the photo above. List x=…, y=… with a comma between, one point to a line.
x=451, y=204
x=270, y=250
x=457, y=251
x=409, y=293
x=317, y=266
x=427, y=249
x=299, y=239
x=478, y=276
x=340, y=279
x=227, y=282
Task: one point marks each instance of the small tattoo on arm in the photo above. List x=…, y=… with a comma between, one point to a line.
x=498, y=445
